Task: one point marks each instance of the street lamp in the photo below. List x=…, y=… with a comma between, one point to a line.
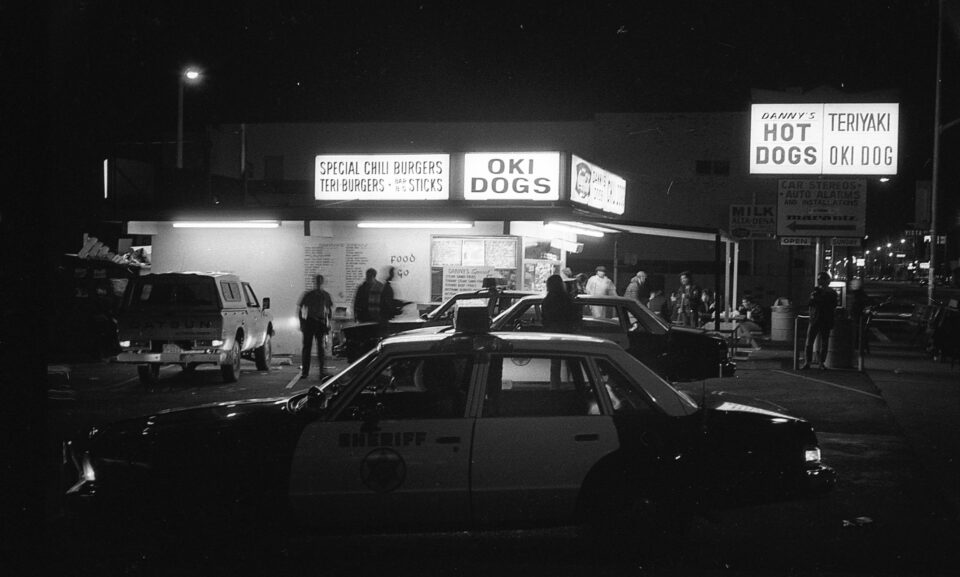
x=190, y=75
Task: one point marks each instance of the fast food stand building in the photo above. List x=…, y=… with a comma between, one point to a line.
x=444, y=204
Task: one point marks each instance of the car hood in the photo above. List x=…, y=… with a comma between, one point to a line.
x=747, y=407
x=199, y=436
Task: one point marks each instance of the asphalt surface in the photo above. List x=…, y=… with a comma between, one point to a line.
x=890, y=432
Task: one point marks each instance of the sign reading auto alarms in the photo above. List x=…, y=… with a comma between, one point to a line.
x=511, y=176
x=595, y=187
x=837, y=138
x=382, y=177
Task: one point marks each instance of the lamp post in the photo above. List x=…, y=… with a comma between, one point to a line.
x=189, y=75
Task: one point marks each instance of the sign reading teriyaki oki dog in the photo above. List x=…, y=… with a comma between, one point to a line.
x=839, y=138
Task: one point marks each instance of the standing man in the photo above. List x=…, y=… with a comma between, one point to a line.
x=601, y=285
x=822, y=304
x=388, y=307
x=366, y=303
x=688, y=301
x=638, y=288
x=313, y=310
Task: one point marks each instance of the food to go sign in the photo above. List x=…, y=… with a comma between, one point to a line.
x=824, y=138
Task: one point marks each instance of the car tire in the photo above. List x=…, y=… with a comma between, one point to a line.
x=263, y=354
x=231, y=370
x=149, y=374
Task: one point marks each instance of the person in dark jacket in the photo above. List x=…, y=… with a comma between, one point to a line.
x=822, y=307
x=561, y=314
x=366, y=303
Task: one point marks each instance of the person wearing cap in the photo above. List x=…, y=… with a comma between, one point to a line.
x=601, y=285
x=821, y=307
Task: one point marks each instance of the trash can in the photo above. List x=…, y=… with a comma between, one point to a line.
x=781, y=323
x=840, y=350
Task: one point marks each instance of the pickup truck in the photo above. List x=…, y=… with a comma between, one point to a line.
x=191, y=318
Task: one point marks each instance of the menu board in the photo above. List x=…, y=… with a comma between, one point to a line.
x=459, y=264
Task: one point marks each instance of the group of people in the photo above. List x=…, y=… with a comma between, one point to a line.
x=374, y=302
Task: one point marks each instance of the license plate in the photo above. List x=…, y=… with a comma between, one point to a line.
x=170, y=348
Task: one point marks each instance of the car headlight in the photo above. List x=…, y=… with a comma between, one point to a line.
x=811, y=455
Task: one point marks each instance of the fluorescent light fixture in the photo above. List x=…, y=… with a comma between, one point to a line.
x=413, y=224
x=106, y=177
x=227, y=224
x=573, y=229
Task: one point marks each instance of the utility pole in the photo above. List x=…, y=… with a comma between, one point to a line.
x=932, y=272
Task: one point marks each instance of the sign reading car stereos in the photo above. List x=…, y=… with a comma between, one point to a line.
x=382, y=177
x=824, y=138
x=596, y=187
x=511, y=176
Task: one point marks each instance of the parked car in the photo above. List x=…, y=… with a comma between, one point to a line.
x=190, y=319
x=674, y=352
x=462, y=430
x=359, y=338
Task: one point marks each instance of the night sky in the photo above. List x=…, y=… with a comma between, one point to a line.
x=113, y=65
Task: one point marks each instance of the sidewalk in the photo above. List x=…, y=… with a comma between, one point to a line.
x=922, y=395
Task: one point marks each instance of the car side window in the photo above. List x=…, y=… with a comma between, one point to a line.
x=634, y=324
x=601, y=319
x=231, y=291
x=543, y=386
x=250, y=295
x=421, y=387
x=625, y=397
x=529, y=319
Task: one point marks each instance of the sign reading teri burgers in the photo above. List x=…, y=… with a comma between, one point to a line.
x=838, y=138
x=382, y=177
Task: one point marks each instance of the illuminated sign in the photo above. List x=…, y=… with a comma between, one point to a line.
x=815, y=207
x=382, y=177
x=511, y=176
x=796, y=241
x=836, y=138
x=595, y=187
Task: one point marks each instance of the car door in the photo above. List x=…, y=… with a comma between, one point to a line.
x=395, y=454
x=256, y=320
x=647, y=340
x=540, y=432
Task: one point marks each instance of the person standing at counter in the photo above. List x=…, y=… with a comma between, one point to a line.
x=388, y=306
x=366, y=303
x=638, y=288
x=313, y=310
x=601, y=285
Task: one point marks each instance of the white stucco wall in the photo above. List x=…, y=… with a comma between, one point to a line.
x=274, y=261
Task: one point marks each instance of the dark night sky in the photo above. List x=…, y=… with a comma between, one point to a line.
x=114, y=64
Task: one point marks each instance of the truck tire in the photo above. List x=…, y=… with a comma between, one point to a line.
x=231, y=370
x=149, y=374
x=263, y=354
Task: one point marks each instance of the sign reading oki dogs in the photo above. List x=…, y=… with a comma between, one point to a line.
x=382, y=177
x=511, y=176
x=824, y=138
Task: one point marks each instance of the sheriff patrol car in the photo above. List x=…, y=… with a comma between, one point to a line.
x=467, y=430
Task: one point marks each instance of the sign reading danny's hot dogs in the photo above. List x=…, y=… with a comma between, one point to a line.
x=833, y=138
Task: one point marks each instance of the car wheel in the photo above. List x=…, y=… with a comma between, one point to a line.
x=149, y=374
x=231, y=370
x=263, y=354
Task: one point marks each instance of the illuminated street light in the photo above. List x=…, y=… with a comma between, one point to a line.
x=190, y=75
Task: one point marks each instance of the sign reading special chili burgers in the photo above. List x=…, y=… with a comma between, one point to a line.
x=382, y=177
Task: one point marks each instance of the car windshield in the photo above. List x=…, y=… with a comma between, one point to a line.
x=337, y=383
x=164, y=293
